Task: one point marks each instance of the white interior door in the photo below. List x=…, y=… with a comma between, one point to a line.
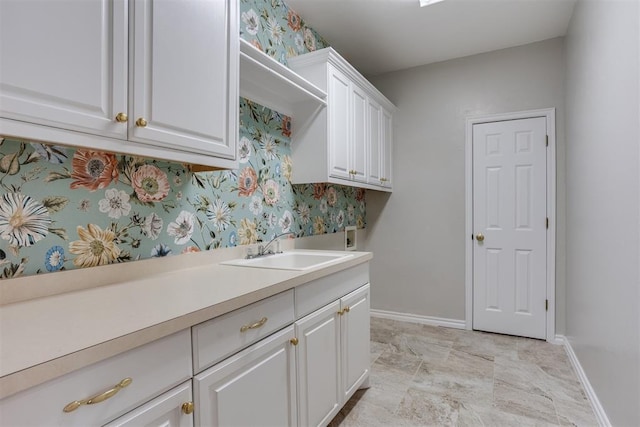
x=510, y=227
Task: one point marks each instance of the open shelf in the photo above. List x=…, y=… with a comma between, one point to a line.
x=271, y=84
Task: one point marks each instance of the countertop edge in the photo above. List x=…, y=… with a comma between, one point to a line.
x=21, y=380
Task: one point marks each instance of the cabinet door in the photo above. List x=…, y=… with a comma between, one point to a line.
x=64, y=64
x=375, y=150
x=339, y=124
x=185, y=75
x=355, y=340
x=387, y=148
x=256, y=387
x=163, y=411
x=360, y=133
x=320, y=397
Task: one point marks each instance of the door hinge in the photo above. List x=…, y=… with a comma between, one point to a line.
x=546, y=140
x=546, y=305
x=547, y=222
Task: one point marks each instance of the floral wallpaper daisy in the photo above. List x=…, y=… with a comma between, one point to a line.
x=64, y=208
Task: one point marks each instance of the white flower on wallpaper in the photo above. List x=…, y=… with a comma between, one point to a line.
x=268, y=146
x=220, y=214
x=286, y=222
x=182, y=228
x=152, y=226
x=255, y=206
x=23, y=220
x=251, y=21
x=244, y=150
x=115, y=203
x=275, y=30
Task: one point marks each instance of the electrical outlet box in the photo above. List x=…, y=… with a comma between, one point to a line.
x=350, y=238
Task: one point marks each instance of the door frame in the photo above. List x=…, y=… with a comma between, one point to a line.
x=550, y=115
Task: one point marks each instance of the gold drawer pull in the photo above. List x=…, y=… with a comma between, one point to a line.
x=256, y=325
x=98, y=397
x=121, y=118
x=141, y=122
x=294, y=341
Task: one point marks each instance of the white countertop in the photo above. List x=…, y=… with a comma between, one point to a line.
x=49, y=336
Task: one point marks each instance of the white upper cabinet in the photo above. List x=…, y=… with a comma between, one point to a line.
x=64, y=63
x=350, y=142
x=159, y=78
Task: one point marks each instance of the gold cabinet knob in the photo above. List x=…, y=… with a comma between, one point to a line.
x=187, y=407
x=141, y=122
x=294, y=341
x=121, y=118
x=480, y=237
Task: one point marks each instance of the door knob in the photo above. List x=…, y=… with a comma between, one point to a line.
x=480, y=237
x=121, y=118
x=141, y=122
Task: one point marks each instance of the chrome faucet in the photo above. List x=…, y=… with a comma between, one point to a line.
x=262, y=249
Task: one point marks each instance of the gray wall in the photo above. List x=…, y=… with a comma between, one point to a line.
x=603, y=222
x=417, y=233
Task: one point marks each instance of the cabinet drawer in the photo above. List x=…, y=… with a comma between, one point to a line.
x=220, y=337
x=153, y=368
x=318, y=293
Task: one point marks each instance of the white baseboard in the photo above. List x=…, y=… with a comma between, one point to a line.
x=601, y=416
x=415, y=318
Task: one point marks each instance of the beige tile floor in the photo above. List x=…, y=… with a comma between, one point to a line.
x=432, y=376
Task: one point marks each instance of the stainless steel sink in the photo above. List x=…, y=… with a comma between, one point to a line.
x=292, y=260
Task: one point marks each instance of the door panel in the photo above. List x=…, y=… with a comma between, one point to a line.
x=509, y=209
x=359, y=150
x=319, y=360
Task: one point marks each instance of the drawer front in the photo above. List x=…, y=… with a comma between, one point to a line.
x=220, y=337
x=318, y=293
x=153, y=368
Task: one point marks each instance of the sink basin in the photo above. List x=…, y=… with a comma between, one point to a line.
x=290, y=260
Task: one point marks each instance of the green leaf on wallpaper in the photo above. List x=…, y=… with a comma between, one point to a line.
x=54, y=176
x=197, y=180
x=55, y=203
x=10, y=164
x=60, y=232
x=33, y=157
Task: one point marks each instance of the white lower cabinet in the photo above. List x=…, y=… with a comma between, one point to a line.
x=333, y=356
x=293, y=359
x=256, y=387
x=172, y=409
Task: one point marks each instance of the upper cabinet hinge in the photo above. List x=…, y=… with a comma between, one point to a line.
x=546, y=140
x=547, y=222
x=546, y=305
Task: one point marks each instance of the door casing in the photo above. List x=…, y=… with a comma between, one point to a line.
x=550, y=115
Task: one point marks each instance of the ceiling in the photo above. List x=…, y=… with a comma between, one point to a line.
x=378, y=36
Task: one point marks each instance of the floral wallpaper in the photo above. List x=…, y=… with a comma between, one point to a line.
x=63, y=208
x=277, y=30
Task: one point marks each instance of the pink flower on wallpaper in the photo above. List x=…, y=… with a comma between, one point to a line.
x=93, y=170
x=286, y=126
x=332, y=196
x=247, y=182
x=318, y=190
x=150, y=183
x=360, y=194
x=293, y=20
x=257, y=44
x=271, y=192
